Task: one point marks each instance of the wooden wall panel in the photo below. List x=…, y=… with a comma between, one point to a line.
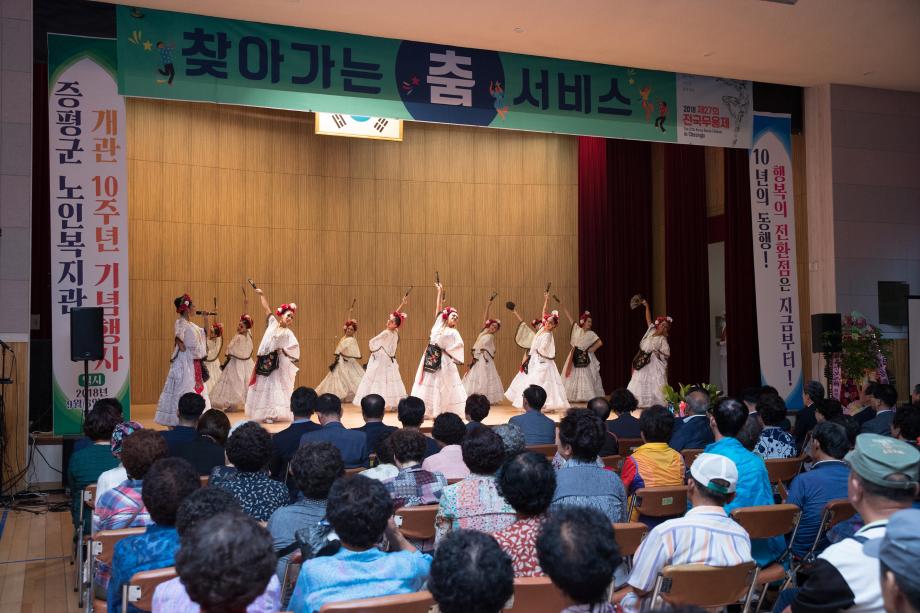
x=221, y=193
x=16, y=417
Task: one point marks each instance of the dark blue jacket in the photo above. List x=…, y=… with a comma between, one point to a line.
x=178, y=435
x=375, y=430
x=538, y=429
x=285, y=444
x=351, y=443
x=692, y=433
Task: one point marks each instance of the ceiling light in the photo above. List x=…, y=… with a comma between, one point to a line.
x=518, y=29
x=709, y=54
x=782, y=1
x=868, y=72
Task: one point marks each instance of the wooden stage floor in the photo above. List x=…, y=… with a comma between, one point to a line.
x=499, y=414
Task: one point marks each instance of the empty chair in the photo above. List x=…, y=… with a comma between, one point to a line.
x=690, y=455
x=536, y=595
x=417, y=602
x=139, y=591
x=667, y=501
x=783, y=470
x=628, y=445
x=705, y=586
x=547, y=450
x=417, y=522
x=767, y=522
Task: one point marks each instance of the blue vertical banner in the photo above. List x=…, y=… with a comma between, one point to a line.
x=775, y=277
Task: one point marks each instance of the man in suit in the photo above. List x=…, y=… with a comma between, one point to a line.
x=538, y=429
x=286, y=442
x=887, y=397
x=805, y=420
x=191, y=406
x=351, y=443
x=694, y=431
x=372, y=407
x=411, y=413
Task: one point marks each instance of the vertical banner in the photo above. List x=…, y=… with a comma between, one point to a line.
x=775, y=282
x=89, y=219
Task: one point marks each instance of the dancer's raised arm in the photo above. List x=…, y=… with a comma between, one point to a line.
x=648, y=313
x=437, y=304
x=265, y=306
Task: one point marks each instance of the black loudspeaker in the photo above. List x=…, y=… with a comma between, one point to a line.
x=825, y=332
x=86, y=334
x=892, y=303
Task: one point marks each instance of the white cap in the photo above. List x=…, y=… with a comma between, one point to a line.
x=709, y=466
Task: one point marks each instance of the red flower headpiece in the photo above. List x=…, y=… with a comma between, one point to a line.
x=217, y=330
x=183, y=303
x=351, y=322
x=663, y=318
x=583, y=318
x=553, y=317
x=398, y=317
x=449, y=313
x=246, y=320
x=284, y=308
x=489, y=322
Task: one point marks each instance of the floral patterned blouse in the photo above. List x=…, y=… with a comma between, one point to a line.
x=775, y=443
x=474, y=504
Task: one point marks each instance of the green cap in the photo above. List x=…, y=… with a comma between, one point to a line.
x=885, y=461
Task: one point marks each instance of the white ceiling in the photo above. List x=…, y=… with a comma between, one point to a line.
x=874, y=43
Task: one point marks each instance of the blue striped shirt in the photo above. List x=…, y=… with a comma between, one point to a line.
x=705, y=535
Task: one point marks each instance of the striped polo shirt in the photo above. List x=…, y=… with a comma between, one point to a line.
x=705, y=535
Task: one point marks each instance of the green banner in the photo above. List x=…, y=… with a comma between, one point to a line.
x=192, y=57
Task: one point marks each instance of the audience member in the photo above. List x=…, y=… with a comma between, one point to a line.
x=123, y=505
x=694, y=431
x=314, y=468
x=512, y=438
x=112, y=407
x=898, y=554
x=470, y=573
x=829, y=410
x=711, y=486
x=386, y=465
x=475, y=503
x=527, y=481
x=654, y=463
x=477, y=409
x=579, y=552
x=750, y=396
x=448, y=431
x=625, y=405
x=372, y=409
x=249, y=449
x=87, y=464
x=753, y=488
x=750, y=432
x=225, y=565
x=538, y=429
x=352, y=444
x=197, y=509
x=851, y=425
x=168, y=482
x=411, y=413
x=286, y=442
x=883, y=480
x=413, y=486
x=887, y=398
x=581, y=482
x=774, y=442
x=206, y=450
x=114, y=476
x=806, y=418
x=361, y=512
x=826, y=481
x=863, y=408
x=915, y=395
x=905, y=425
x=191, y=406
x=602, y=408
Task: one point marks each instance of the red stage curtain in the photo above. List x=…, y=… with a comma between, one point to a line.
x=740, y=302
x=687, y=263
x=614, y=245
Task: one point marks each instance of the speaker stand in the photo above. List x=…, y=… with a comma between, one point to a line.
x=85, y=389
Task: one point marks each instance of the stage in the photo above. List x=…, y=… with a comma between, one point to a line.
x=351, y=418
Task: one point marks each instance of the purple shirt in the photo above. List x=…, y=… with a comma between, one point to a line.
x=171, y=596
x=448, y=462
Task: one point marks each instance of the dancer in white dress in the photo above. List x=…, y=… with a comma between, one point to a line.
x=345, y=373
x=230, y=392
x=482, y=377
x=541, y=368
x=524, y=339
x=212, y=360
x=269, y=396
x=382, y=376
x=189, y=348
x=582, y=371
x=437, y=381
x=652, y=361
